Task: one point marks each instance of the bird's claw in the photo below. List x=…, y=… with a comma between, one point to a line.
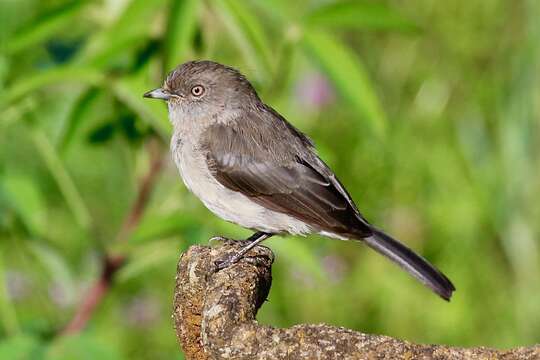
x=225, y=262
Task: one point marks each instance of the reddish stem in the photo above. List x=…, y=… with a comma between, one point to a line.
x=111, y=264
x=143, y=195
x=94, y=295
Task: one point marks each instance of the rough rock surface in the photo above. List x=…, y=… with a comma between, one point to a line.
x=214, y=316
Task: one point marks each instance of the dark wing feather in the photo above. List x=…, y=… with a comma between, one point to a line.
x=280, y=173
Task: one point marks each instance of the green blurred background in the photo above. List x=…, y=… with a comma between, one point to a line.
x=428, y=111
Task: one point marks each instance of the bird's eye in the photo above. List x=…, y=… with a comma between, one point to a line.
x=197, y=90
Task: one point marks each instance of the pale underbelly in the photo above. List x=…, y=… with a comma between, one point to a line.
x=230, y=205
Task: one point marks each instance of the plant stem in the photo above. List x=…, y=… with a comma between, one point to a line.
x=112, y=263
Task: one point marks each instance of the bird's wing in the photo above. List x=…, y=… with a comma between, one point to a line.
x=282, y=174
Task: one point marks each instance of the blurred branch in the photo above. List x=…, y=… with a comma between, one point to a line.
x=145, y=190
x=112, y=263
x=95, y=295
x=214, y=315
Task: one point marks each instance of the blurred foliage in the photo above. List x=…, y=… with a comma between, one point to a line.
x=428, y=111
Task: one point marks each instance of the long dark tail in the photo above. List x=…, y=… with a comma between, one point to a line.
x=416, y=265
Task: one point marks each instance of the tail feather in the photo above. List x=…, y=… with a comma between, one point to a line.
x=416, y=265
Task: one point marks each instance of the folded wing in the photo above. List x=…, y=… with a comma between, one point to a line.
x=280, y=175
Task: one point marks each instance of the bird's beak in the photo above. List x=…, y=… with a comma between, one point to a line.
x=158, y=93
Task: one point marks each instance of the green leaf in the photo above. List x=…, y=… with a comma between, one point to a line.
x=8, y=315
x=180, y=30
x=247, y=32
x=279, y=11
x=358, y=15
x=159, y=226
x=37, y=81
x=45, y=27
x=348, y=75
x=63, y=179
x=101, y=133
x=57, y=267
x=129, y=30
x=26, y=199
x=297, y=251
x=130, y=91
x=80, y=347
x=21, y=347
x=4, y=70
x=147, y=257
x=82, y=108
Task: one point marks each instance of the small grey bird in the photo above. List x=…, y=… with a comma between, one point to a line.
x=250, y=166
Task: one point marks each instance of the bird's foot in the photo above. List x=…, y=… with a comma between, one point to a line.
x=251, y=242
x=227, y=261
x=233, y=258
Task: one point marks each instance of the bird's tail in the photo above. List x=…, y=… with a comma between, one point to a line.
x=416, y=265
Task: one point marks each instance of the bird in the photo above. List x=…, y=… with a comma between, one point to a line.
x=250, y=166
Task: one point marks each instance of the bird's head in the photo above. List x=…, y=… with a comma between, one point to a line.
x=203, y=89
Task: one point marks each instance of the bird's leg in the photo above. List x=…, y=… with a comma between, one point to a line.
x=252, y=241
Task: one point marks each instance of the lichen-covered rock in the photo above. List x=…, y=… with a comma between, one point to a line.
x=214, y=317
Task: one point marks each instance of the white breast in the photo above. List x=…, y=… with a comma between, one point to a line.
x=225, y=203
